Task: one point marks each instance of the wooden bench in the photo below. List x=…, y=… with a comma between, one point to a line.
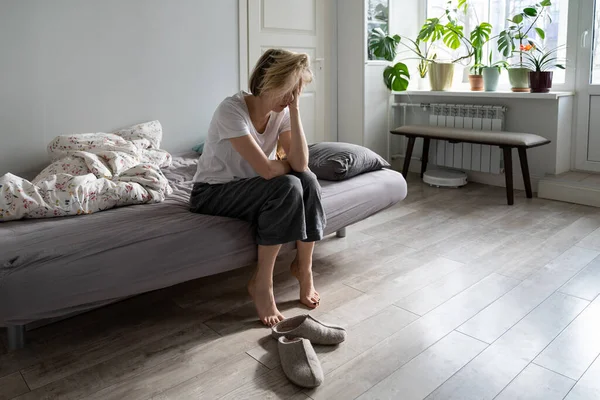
x=505, y=140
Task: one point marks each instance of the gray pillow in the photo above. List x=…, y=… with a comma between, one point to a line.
x=335, y=161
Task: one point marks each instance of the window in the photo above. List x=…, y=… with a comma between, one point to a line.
x=377, y=17
x=497, y=13
x=595, y=76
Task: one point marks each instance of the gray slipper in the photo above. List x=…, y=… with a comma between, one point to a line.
x=299, y=362
x=305, y=326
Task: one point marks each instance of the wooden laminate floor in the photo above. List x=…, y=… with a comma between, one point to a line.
x=448, y=295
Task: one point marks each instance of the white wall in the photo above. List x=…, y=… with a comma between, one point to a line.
x=72, y=66
x=404, y=21
x=362, y=95
x=331, y=58
x=377, y=98
x=351, y=41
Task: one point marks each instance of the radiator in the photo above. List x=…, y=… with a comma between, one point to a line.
x=467, y=156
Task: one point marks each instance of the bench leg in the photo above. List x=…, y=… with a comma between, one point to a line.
x=525, y=170
x=341, y=233
x=16, y=337
x=425, y=158
x=408, y=155
x=508, y=172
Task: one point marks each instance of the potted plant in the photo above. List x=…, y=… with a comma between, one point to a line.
x=476, y=75
x=475, y=44
x=491, y=73
x=425, y=62
x=397, y=76
x=540, y=63
x=522, y=24
x=478, y=38
x=448, y=29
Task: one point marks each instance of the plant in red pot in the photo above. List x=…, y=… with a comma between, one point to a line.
x=541, y=63
x=519, y=32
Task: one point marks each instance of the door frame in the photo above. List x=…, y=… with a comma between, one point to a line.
x=328, y=42
x=243, y=43
x=584, y=89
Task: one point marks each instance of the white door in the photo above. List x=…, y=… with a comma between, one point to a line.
x=295, y=25
x=588, y=88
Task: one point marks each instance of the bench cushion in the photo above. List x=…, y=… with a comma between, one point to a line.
x=468, y=135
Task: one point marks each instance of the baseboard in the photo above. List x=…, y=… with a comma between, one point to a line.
x=570, y=192
x=474, y=176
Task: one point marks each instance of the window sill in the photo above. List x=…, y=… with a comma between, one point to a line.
x=377, y=63
x=500, y=94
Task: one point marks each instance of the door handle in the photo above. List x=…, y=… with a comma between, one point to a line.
x=584, y=36
x=320, y=61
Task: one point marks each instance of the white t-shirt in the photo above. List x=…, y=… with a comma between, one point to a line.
x=220, y=162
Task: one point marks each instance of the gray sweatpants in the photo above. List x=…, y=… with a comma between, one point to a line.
x=282, y=210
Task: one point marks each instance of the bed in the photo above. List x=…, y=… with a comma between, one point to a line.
x=54, y=267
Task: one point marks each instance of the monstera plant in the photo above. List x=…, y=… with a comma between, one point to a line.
x=396, y=77
x=474, y=43
x=385, y=47
x=446, y=28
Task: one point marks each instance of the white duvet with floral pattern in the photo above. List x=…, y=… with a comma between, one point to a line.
x=91, y=172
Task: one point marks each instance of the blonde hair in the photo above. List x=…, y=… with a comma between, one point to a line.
x=278, y=71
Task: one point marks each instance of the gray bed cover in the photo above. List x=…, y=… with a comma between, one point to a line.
x=53, y=267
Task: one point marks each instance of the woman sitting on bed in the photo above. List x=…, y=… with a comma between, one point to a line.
x=239, y=175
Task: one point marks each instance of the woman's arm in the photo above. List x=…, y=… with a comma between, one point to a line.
x=249, y=150
x=294, y=141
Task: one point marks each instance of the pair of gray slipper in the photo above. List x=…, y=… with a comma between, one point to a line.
x=295, y=339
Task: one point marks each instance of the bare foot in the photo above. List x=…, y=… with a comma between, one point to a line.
x=308, y=295
x=264, y=301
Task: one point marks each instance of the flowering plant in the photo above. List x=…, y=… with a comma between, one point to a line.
x=538, y=60
x=521, y=25
x=526, y=47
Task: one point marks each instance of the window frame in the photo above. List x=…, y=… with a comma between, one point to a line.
x=390, y=11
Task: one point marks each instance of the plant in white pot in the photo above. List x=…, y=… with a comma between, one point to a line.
x=448, y=29
x=522, y=24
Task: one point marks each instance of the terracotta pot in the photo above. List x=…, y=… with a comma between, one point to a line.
x=540, y=82
x=441, y=76
x=519, y=79
x=476, y=82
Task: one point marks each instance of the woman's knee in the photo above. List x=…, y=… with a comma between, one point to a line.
x=308, y=179
x=290, y=184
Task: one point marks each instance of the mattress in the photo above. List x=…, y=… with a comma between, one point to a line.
x=53, y=267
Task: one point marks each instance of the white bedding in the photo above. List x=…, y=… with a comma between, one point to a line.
x=91, y=172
